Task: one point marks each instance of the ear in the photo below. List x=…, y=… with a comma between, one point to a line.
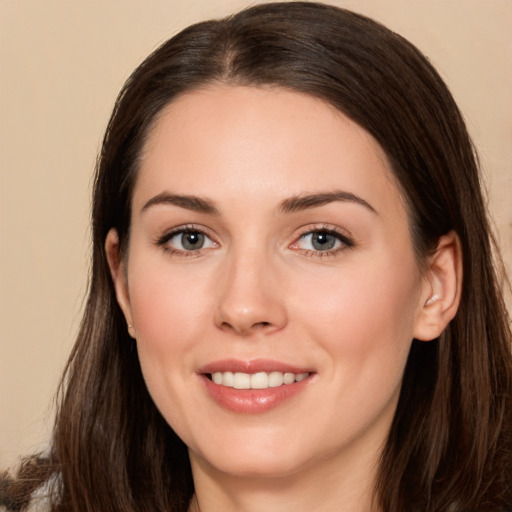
x=119, y=276
x=441, y=290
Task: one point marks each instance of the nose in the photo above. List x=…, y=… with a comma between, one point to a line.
x=250, y=299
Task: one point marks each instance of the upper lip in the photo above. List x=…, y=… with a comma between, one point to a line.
x=253, y=366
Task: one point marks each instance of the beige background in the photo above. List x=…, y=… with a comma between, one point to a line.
x=62, y=63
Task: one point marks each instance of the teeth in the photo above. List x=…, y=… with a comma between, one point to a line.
x=260, y=380
x=290, y=378
x=242, y=381
x=275, y=379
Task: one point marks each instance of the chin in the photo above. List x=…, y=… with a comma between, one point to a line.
x=255, y=461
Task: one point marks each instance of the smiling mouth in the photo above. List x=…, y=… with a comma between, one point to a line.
x=259, y=380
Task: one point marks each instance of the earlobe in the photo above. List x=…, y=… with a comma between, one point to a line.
x=117, y=268
x=441, y=291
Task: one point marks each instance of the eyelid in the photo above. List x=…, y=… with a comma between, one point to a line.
x=162, y=240
x=341, y=235
x=346, y=239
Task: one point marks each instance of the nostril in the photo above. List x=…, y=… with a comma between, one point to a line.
x=261, y=324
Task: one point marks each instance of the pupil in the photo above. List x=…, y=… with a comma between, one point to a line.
x=192, y=240
x=323, y=241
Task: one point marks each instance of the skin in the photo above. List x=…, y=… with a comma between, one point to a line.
x=259, y=288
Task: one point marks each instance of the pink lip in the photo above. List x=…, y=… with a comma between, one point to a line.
x=252, y=401
x=254, y=366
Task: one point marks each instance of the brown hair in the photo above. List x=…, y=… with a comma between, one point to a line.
x=450, y=445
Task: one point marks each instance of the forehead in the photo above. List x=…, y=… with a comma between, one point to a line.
x=234, y=141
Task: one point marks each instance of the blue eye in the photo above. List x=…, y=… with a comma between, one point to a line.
x=323, y=240
x=187, y=240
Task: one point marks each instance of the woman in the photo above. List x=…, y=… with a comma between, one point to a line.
x=292, y=301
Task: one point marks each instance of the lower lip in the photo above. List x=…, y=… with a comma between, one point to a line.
x=253, y=401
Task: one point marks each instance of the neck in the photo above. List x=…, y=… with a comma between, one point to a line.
x=325, y=487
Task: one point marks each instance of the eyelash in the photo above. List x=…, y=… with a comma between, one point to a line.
x=163, y=241
x=346, y=242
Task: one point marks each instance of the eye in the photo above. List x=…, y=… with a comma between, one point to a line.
x=322, y=241
x=186, y=240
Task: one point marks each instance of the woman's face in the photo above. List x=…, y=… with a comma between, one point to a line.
x=270, y=249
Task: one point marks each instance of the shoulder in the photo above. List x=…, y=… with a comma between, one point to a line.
x=40, y=500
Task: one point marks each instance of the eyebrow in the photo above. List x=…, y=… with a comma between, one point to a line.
x=304, y=202
x=193, y=203
x=290, y=205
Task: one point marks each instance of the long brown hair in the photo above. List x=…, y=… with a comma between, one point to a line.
x=450, y=445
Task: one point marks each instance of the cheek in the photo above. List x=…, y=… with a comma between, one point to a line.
x=364, y=315
x=169, y=312
x=165, y=300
